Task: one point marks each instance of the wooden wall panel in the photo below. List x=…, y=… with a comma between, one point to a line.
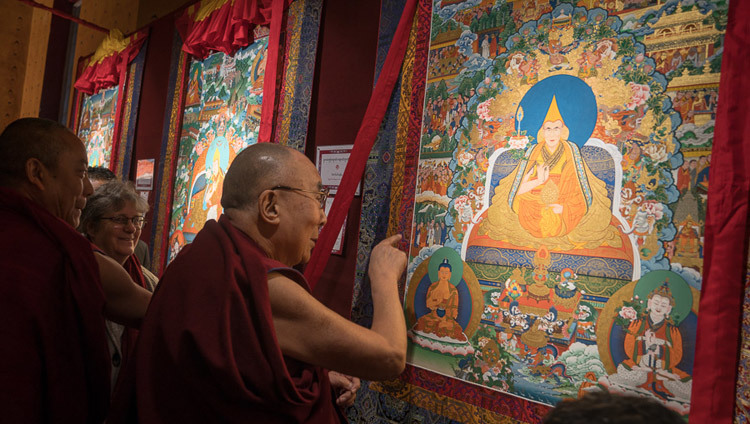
x=15, y=26
x=110, y=14
x=35, y=60
x=149, y=11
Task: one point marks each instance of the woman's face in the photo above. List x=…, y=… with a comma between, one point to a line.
x=117, y=240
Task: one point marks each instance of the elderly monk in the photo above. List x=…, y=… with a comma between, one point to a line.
x=233, y=334
x=112, y=221
x=54, y=365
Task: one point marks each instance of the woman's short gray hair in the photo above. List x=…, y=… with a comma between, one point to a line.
x=108, y=198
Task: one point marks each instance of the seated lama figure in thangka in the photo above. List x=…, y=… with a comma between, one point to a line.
x=557, y=197
x=552, y=216
x=207, y=177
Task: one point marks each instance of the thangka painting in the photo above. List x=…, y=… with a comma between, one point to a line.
x=559, y=213
x=97, y=124
x=221, y=117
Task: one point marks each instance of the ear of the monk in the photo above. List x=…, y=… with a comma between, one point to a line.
x=36, y=173
x=268, y=206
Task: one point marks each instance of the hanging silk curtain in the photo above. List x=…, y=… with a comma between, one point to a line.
x=226, y=26
x=725, y=247
x=221, y=25
x=108, y=66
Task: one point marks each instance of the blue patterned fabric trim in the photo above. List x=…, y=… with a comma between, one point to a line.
x=597, y=267
x=376, y=199
x=136, y=67
x=582, y=178
x=381, y=408
x=517, y=181
x=300, y=111
x=376, y=187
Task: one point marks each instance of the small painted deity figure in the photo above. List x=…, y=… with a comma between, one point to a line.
x=586, y=319
x=653, y=349
x=515, y=318
x=549, y=322
x=492, y=310
x=653, y=342
x=442, y=301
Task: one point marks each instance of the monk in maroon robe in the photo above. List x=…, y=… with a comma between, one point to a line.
x=233, y=334
x=54, y=364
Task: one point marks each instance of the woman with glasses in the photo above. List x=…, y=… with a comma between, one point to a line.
x=112, y=221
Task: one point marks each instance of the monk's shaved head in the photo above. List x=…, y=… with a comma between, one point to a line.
x=257, y=168
x=28, y=138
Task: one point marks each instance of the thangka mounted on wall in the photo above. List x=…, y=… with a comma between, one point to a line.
x=108, y=89
x=97, y=124
x=558, y=224
x=221, y=117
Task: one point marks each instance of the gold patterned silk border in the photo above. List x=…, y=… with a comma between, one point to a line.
x=123, y=143
x=402, y=130
x=161, y=230
x=446, y=406
x=295, y=9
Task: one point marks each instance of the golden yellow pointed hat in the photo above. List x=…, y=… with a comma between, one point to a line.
x=553, y=113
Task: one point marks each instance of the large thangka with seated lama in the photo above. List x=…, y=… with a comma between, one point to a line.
x=556, y=244
x=221, y=117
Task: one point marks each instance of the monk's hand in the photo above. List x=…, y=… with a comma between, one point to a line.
x=345, y=387
x=556, y=208
x=387, y=262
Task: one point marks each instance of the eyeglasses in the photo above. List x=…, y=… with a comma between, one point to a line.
x=122, y=221
x=321, y=196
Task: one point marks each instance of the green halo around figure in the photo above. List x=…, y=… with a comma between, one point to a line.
x=683, y=297
x=457, y=265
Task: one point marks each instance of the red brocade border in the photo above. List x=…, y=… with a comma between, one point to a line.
x=409, y=180
x=725, y=248
x=170, y=145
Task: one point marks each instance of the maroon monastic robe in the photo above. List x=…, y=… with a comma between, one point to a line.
x=207, y=350
x=129, y=336
x=54, y=364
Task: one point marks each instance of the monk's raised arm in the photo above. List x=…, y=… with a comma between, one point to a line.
x=309, y=331
x=126, y=302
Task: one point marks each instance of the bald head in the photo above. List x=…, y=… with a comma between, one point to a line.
x=257, y=168
x=28, y=138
